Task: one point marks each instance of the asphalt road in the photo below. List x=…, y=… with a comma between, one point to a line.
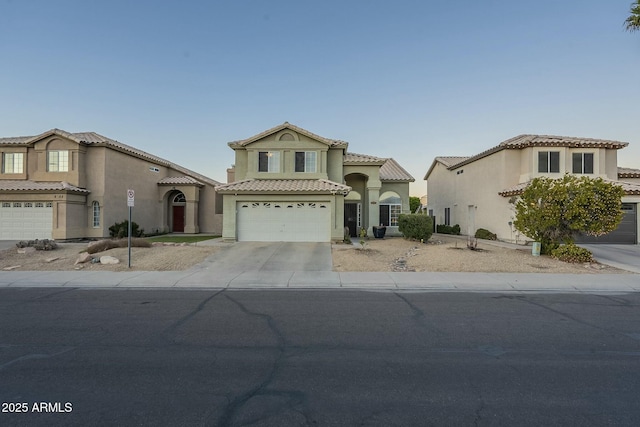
x=280, y=358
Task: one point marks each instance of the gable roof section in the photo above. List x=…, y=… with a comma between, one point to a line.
x=392, y=171
x=446, y=161
x=630, y=188
x=283, y=186
x=95, y=139
x=287, y=125
x=362, y=159
x=179, y=180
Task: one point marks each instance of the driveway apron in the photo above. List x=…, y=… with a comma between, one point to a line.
x=625, y=257
x=273, y=256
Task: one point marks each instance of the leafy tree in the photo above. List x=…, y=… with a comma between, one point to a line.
x=414, y=203
x=552, y=211
x=632, y=23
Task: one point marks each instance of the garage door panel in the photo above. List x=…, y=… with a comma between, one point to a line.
x=625, y=233
x=284, y=221
x=25, y=221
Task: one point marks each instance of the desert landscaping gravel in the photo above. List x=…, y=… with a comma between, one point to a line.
x=448, y=254
x=439, y=254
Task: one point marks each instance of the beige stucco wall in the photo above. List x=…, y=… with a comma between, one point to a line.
x=471, y=191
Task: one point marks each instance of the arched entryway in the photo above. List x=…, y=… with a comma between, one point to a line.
x=177, y=209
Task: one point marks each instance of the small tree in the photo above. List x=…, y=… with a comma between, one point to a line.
x=552, y=211
x=414, y=203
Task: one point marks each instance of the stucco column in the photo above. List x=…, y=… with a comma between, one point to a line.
x=191, y=217
x=373, y=194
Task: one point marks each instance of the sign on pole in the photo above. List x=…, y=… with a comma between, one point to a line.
x=130, y=199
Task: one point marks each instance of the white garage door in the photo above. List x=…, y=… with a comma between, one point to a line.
x=284, y=221
x=25, y=220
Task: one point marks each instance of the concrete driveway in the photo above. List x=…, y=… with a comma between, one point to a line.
x=273, y=256
x=625, y=257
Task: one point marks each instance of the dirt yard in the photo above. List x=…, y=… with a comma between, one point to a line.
x=450, y=254
x=156, y=258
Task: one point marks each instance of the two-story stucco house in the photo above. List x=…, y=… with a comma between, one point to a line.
x=289, y=184
x=475, y=192
x=65, y=185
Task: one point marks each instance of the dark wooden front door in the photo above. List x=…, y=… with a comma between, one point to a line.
x=178, y=219
x=351, y=218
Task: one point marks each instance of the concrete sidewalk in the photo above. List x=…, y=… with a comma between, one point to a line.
x=205, y=278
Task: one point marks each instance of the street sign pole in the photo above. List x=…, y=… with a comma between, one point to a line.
x=130, y=200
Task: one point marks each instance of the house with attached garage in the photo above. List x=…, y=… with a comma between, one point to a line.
x=477, y=191
x=65, y=185
x=289, y=184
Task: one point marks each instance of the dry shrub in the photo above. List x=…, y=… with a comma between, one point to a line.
x=105, y=245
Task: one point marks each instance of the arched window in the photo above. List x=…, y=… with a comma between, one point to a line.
x=390, y=208
x=95, y=207
x=179, y=198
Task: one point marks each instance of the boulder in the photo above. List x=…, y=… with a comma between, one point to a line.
x=26, y=250
x=106, y=259
x=83, y=257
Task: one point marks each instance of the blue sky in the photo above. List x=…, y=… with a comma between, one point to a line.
x=405, y=79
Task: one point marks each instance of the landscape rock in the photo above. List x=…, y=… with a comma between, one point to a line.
x=52, y=259
x=83, y=257
x=13, y=267
x=26, y=250
x=106, y=259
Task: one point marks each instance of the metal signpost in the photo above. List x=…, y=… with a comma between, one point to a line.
x=130, y=198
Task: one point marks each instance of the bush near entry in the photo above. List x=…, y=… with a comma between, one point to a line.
x=415, y=226
x=121, y=229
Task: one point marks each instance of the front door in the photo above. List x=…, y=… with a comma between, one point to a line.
x=178, y=219
x=351, y=218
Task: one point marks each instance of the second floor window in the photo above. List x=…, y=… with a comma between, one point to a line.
x=548, y=162
x=12, y=163
x=582, y=162
x=305, y=161
x=58, y=161
x=269, y=161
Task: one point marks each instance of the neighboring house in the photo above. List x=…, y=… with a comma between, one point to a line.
x=476, y=192
x=289, y=184
x=65, y=185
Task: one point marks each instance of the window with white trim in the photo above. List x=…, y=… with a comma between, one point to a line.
x=58, y=161
x=582, y=162
x=95, y=207
x=548, y=161
x=390, y=209
x=306, y=161
x=269, y=161
x=13, y=163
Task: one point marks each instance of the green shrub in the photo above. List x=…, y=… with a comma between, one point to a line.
x=448, y=229
x=415, y=226
x=571, y=253
x=483, y=233
x=121, y=229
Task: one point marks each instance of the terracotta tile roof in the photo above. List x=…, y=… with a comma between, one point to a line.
x=355, y=158
x=284, y=186
x=449, y=161
x=628, y=173
x=392, y=171
x=26, y=185
x=92, y=138
x=630, y=188
x=287, y=125
x=522, y=141
x=180, y=180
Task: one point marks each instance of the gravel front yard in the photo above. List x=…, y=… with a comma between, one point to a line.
x=450, y=254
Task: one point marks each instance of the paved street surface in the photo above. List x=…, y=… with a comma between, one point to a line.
x=333, y=357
